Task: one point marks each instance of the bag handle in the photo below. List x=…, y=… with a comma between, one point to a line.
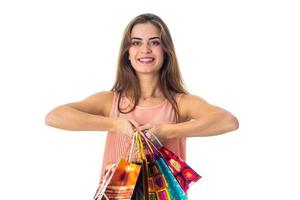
x=153, y=141
x=146, y=140
x=152, y=148
x=101, y=188
x=144, y=161
x=140, y=146
x=153, y=138
x=133, y=141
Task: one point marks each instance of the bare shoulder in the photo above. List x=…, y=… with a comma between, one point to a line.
x=98, y=103
x=192, y=107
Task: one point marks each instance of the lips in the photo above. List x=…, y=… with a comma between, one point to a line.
x=146, y=60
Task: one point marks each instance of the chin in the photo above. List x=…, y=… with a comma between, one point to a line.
x=142, y=69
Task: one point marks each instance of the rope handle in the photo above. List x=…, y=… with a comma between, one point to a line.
x=101, y=188
x=153, y=138
x=151, y=142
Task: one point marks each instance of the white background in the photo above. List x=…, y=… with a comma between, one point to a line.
x=239, y=55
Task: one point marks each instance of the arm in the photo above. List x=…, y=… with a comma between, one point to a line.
x=202, y=119
x=91, y=114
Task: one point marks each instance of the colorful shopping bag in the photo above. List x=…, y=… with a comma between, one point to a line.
x=174, y=189
x=156, y=183
x=120, y=180
x=139, y=190
x=153, y=175
x=183, y=173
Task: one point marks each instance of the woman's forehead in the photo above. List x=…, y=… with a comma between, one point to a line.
x=145, y=30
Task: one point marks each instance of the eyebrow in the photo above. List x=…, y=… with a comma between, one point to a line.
x=136, y=38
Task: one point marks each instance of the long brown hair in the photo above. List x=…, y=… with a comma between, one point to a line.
x=170, y=80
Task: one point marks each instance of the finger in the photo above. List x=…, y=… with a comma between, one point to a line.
x=144, y=127
x=133, y=123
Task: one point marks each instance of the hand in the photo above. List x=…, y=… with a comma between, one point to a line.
x=156, y=129
x=125, y=126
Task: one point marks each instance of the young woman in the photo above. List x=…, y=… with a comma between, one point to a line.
x=148, y=94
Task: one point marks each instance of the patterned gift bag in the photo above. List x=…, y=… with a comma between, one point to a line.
x=158, y=188
x=183, y=173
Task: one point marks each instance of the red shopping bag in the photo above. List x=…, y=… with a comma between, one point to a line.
x=183, y=173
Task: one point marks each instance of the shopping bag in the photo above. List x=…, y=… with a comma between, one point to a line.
x=104, y=180
x=143, y=179
x=174, y=190
x=139, y=190
x=150, y=178
x=158, y=187
x=120, y=180
x=123, y=180
x=183, y=173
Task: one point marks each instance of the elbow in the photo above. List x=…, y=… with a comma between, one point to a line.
x=233, y=123
x=236, y=123
x=229, y=122
x=51, y=118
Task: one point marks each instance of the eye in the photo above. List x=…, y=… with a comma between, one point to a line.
x=135, y=43
x=155, y=43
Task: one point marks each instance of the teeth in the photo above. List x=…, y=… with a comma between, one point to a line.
x=146, y=59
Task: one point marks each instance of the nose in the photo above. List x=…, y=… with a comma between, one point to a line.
x=145, y=48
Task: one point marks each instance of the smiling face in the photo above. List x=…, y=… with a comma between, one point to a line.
x=145, y=52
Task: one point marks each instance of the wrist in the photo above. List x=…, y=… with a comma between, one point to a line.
x=165, y=130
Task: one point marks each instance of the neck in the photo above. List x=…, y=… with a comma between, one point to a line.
x=149, y=86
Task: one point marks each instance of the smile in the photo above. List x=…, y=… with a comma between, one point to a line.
x=146, y=60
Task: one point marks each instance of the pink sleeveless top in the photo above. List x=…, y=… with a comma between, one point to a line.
x=117, y=145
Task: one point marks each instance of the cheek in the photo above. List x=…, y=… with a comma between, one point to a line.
x=161, y=54
x=131, y=54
